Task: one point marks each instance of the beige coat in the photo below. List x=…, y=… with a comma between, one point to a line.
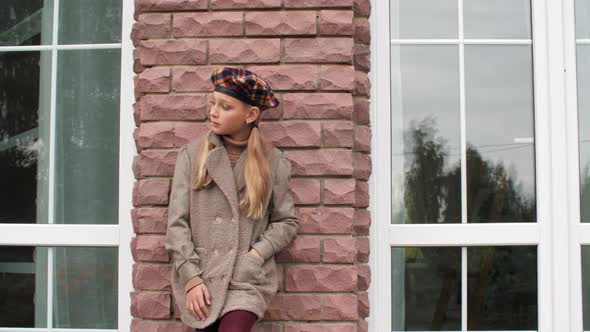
x=207, y=237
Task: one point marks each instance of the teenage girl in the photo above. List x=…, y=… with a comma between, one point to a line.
x=230, y=210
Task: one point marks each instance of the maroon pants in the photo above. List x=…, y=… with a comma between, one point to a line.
x=232, y=321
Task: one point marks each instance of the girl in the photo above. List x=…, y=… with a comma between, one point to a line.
x=230, y=210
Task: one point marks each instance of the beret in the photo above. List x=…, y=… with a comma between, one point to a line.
x=244, y=85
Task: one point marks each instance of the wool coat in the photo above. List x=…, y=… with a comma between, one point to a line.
x=208, y=237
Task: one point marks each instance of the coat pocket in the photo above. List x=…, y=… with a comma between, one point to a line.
x=250, y=268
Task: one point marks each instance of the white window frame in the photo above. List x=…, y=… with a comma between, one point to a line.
x=63, y=235
x=558, y=232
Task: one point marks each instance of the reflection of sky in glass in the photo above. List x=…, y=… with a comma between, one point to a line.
x=423, y=18
x=424, y=83
x=499, y=107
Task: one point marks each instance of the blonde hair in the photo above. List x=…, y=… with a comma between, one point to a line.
x=256, y=173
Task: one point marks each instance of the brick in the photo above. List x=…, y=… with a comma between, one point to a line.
x=321, y=162
x=154, y=135
x=173, y=107
x=317, y=3
x=362, y=247
x=294, y=307
x=185, y=132
x=139, y=325
x=301, y=249
x=337, y=77
x=362, y=194
x=190, y=79
x=362, y=221
x=289, y=77
x=321, y=49
x=149, y=220
x=244, y=50
x=317, y=106
x=362, y=165
x=324, y=327
x=340, y=307
x=361, y=56
x=339, y=250
x=155, y=79
x=149, y=248
x=151, y=192
x=281, y=23
x=293, y=133
x=362, y=85
x=362, y=138
x=153, y=26
x=364, y=277
x=362, y=8
x=151, y=276
x=169, y=5
x=173, y=52
x=234, y=4
x=339, y=191
x=326, y=220
x=150, y=305
x=363, y=304
x=321, y=278
x=362, y=111
x=208, y=24
x=305, y=191
x=338, y=134
x=336, y=22
x=361, y=28
x=155, y=163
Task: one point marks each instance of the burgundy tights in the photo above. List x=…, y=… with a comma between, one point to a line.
x=232, y=321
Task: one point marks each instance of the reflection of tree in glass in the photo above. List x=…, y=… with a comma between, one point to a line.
x=433, y=195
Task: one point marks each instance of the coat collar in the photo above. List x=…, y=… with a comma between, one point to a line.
x=219, y=166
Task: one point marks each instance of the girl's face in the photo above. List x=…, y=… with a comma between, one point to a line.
x=228, y=115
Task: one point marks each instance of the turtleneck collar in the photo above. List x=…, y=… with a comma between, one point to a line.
x=234, y=142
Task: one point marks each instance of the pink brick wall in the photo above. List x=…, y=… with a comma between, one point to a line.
x=315, y=54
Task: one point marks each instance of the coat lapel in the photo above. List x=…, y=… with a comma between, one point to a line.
x=219, y=168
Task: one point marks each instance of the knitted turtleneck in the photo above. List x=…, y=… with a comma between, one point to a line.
x=234, y=148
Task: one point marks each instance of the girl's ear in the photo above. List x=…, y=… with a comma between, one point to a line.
x=253, y=113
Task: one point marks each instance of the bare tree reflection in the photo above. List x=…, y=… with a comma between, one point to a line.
x=502, y=280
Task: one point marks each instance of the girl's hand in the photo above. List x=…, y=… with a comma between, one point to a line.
x=253, y=251
x=195, y=301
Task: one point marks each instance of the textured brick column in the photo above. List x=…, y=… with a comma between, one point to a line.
x=315, y=54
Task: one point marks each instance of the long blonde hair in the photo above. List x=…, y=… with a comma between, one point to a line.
x=256, y=173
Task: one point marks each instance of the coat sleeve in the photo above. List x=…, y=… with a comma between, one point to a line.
x=179, y=242
x=283, y=223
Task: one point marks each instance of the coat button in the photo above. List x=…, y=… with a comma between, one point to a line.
x=234, y=220
x=218, y=220
x=215, y=252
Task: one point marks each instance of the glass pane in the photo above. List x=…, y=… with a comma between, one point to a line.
x=26, y=22
x=426, y=289
x=502, y=288
x=24, y=136
x=583, y=64
x=87, y=142
x=497, y=19
x=85, y=288
x=586, y=286
x=423, y=19
x=582, y=18
x=89, y=21
x=426, y=167
x=500, y=133
x=23, y=287
x=83, y=280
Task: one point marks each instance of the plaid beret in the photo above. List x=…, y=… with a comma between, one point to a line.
x=244, y=85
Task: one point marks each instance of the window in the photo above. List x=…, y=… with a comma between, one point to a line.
x=477, y=202
x=65, y=77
